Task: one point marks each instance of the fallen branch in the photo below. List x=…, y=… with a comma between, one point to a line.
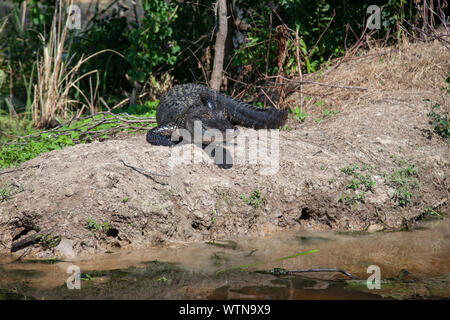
x=20, y=244
x=281, y=271
x=324, y=270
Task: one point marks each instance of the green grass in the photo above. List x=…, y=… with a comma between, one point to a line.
x=15, y=154
x=27, y=149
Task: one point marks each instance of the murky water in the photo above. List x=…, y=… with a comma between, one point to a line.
x=225, y=269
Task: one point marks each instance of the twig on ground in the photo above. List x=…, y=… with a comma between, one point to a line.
x=143, y=171
x=13, y=170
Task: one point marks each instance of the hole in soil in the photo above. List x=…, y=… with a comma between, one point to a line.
x=112, y=232
x=305, y=214
x=195, y=225
x=21, y=233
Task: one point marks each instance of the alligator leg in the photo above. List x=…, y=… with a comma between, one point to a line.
x=222, y=159
x=161, y=136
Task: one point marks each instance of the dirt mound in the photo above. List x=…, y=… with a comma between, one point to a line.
x=374, y=165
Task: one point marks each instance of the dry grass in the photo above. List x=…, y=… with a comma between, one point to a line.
x=412, y=65
x=408, y=67
x=57, y=75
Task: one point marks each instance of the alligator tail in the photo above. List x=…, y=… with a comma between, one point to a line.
x=246, y=115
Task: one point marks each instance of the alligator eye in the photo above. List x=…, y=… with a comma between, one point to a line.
x=210, y=105
x=207, y=102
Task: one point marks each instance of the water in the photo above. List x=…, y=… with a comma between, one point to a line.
x=200, y=270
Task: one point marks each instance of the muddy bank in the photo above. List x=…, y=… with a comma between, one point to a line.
x=373, y=165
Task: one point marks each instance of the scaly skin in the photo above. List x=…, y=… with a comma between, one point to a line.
x=188, y=102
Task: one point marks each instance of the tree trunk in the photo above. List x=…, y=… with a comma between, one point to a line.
x=219, y=49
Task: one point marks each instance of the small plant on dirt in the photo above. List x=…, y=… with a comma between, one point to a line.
x=353, y=184
x=359, y=178
x=92, y=225
x=319, y=103
x=163, y=279
x=5, y=192
x=300, y=115
x=352, y=198
x=329, y=113
x=361, y=182
x=285, y=128
x=125, y=199
x=367, y=182
x=105, y=226
x=403, y=181
x=430, y=212
x=350, y=170
x=398, y=161
x=326, y=114
x=439, y=120
x=48, y=241
x=255, y=199
x=86, y=277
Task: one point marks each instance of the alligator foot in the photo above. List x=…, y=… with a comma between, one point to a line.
x=161, y=136
x=221, y=156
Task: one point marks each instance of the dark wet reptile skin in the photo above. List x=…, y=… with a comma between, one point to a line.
x=192, y=98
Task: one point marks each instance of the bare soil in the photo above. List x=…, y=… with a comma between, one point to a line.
x=382, y=130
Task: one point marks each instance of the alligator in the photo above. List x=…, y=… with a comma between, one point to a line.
x=185, y=104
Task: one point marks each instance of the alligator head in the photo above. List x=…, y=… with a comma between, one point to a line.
x=206, y=123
